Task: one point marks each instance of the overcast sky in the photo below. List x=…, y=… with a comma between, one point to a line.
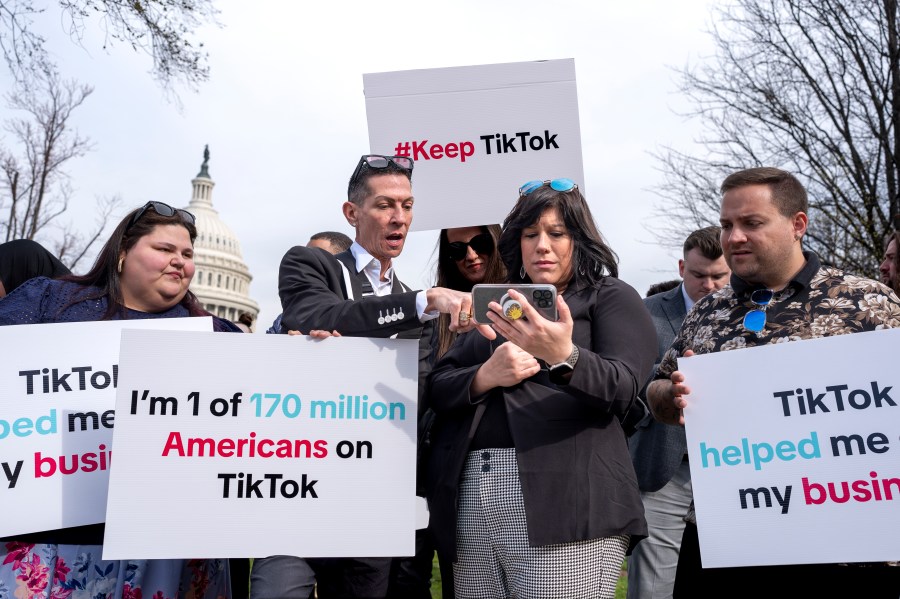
x=284, y=112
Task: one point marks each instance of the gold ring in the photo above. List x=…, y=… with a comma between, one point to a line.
x=464, y=317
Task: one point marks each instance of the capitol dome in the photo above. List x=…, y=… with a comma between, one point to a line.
x=222, y=279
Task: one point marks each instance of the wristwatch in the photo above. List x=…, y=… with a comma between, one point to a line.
x=559, y=371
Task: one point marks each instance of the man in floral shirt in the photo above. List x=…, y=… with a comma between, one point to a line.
x=792, y=297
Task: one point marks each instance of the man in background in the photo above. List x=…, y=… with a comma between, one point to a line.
x=659, y=451
x=330, y=241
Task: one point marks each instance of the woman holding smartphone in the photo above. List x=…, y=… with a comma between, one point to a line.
x=531, y=488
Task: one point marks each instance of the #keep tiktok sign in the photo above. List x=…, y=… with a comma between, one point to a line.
x=476, y=134
x=255, y=445
x=795, y=451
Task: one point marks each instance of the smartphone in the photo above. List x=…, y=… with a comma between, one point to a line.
x=542, y=296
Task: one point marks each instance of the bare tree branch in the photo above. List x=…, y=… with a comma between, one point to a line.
x=73, y=246
x=34, y=188
x=163, y=29
x=811, y=87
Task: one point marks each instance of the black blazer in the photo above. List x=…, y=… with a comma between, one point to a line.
x=314, y=295
x=577, y=479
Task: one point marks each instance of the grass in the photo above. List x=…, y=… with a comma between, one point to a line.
x=436, y=587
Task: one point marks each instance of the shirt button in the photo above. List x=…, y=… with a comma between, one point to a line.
x=486, y=455
x=485, y=467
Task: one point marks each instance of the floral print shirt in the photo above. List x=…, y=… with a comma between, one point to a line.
x=821, y=301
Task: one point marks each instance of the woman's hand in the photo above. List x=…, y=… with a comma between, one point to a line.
x=508, y=365
x=544, y=339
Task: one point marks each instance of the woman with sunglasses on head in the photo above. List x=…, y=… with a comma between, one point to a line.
x=531, y=488
x=143, y=271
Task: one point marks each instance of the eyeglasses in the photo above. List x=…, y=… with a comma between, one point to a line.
x=161, y=209
x=482, y=243
x=755, y=320
x=378, y=162
x=555, y=184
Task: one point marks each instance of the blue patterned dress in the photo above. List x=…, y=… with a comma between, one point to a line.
x=66, y=564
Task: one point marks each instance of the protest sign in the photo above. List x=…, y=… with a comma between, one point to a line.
x=57, y=395
x=476, y=133
x=793, y=450
x=255, y=445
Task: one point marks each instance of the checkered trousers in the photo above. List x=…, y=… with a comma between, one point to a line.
x=495, y=560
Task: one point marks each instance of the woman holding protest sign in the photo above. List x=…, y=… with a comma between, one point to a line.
x=143, y=271
x=531, y=488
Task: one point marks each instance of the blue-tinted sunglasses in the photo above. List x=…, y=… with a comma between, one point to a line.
x=555, y=184
x=755, y=320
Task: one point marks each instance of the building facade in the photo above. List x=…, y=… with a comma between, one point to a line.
x=222, y=279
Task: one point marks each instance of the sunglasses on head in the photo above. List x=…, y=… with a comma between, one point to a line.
x=555, y=185
x=755, y=320
x=161, y=209
x=378, y=162
x=482, y=243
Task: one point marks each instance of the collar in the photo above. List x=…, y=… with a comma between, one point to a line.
x=743, y=289
x=366, y=262
x=688, y=302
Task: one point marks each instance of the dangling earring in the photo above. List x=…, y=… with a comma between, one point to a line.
x=522, y=272
x=121, y=261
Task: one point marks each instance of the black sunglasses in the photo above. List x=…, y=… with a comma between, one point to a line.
x=378, y=162
x=482, y=243
x=161, y=209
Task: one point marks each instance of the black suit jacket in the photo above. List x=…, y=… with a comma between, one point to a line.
x=577, y=479
x=657, y=449
x=315, y=294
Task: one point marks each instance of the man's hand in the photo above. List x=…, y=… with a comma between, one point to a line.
x=508, y=365
x=667, y=397
x=456, y=304
x=317, y=334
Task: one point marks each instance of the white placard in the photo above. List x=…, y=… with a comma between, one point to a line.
x=476, y=133
x=795, y=451
x=256, y=445
x=57, y=399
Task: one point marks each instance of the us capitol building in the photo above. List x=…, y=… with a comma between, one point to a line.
x=222, y=279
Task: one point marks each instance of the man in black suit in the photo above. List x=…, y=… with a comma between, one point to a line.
x=659, y=451
x=356, y=293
